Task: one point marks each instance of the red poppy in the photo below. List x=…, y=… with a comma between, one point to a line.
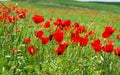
x=117, y=51
x=65, y=23
x=47, y=24
x=22, y=14
x=39, y=34
x=64, y=43
x=27, y=41
x=74, y=38
x=81, y=29
x=12, y=19
x=44, y=40
x=50, y=19
x=57, y=22
x=83, y=41
x=61, y=48
x=37, y=19
x=96, y=45
x=108, y=32
x=32, y=50
x=90, y=33
x=118, y=36
x=58, y=36
x=108, y=48
x=76, y=25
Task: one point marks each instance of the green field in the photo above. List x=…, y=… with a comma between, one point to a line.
x=15, y=58
x=108, y=6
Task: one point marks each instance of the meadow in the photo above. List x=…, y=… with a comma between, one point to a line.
x=59, y=40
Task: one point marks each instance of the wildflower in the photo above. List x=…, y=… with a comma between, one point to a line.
x=39, y=34
x=117, y=51
x=108, y=32
x=58, y=36
x=27, y=41
x=96, y=45
x=50, y=19
x=90, y=33
x=32, y=50
x=118, y=36
x=37, y=19
x=81, y=29
x=74, y=38
x=12, y=19
x=61, y=48
x=83, y=41
x=108, y=48
x=44, y=40
x=57, y=22
x=65, y=23
x=75, y=25
x=22, y=14
x=47, y=24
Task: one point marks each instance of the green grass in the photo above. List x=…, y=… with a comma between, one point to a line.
x=76, y=60
x=112, y=7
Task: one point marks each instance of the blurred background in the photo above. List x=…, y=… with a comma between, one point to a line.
x=107, y=5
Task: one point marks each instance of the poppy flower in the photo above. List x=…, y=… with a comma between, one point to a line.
x=108, y=48
x=27, y=41
x=64, y=43
x=38, y=19
x=108, y=32
x=83, y=41
x=57, y=22
x=32, y=50
x=75, y=25
x=39, y=34
x=58, y=36
x=47, y=24
x=81, y=29
x=118, y=36
x=74, y=38
x=61, y=48
x=12, y=19
x=65, y=23
x=44, y=40
x=117, y=51
x=96, y=45
x=22, y=14
x=50, y=19
x=90, y=33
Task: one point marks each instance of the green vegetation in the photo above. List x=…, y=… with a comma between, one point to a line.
x=112, y=7
x=15, y=58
